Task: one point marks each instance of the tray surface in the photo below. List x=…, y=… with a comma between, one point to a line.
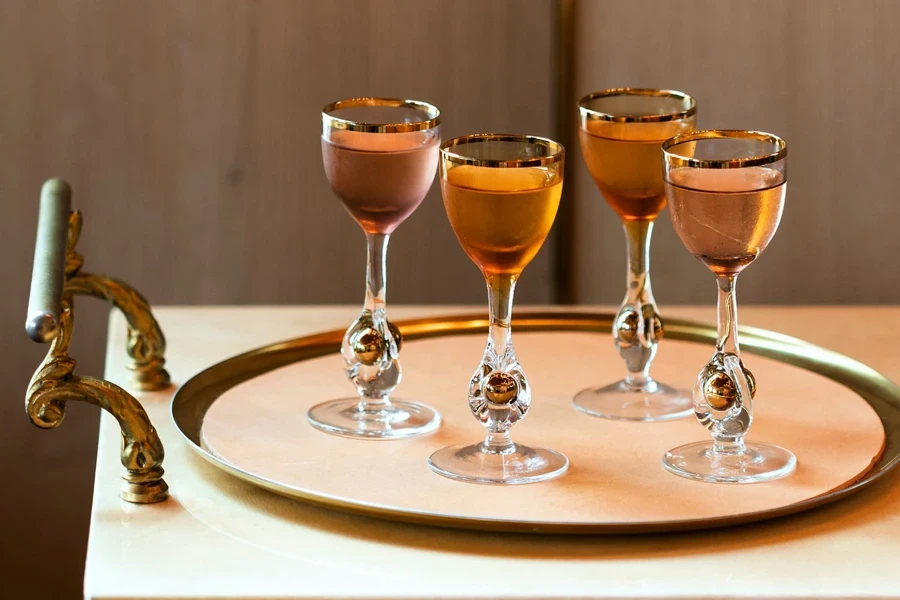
x=257, y=430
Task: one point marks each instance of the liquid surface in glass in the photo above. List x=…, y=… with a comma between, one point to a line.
x=501, y=216
x=625, y=160
x=726, y=217
x=381, y=178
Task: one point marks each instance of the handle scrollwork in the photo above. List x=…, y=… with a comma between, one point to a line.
x=56, y=279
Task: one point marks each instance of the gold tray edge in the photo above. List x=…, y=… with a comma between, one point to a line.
x=880, y=392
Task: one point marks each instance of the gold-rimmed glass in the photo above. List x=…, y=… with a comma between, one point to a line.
x=726, y=192
x=380, y=157
x=501, y=193
x=621, y=132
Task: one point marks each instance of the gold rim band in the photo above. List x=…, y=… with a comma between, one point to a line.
x=591, y=114
x=434, y=115
x=557, y=151
x=677, y=160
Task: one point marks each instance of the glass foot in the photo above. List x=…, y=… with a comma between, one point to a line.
x=756, y=462
x=624, y=401
x=519, y=464
x=351, y=418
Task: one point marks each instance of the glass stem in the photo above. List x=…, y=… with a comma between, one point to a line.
x=376, y=294
x=638, y=293
x=501, y=289
x=637, y=234
x=498, y=442
x=727, y=341
x=727, y=344
x=376, y=272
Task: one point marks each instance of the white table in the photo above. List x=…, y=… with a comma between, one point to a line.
x=218, y=537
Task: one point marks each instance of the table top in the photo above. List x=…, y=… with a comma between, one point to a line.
x=218, y=537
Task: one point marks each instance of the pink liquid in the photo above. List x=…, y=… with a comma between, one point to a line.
x=381, y=178
x=726, y=217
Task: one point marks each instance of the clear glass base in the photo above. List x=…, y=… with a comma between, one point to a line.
x=756, y=462
x=349, y=417
x=625, y=401
x=476, y=463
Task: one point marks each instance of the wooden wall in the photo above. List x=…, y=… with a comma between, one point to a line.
x=189, y=131
x=824, y=75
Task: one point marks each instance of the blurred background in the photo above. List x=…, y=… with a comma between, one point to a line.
x=189, y=131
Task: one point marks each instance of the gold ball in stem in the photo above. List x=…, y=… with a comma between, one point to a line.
x=720, y=391
x=500, y=388
x=627, y=328
x=368, y=346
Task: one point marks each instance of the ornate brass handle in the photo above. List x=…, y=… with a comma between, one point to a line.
x=56, y=278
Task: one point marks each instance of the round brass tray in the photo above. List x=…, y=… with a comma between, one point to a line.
x=196, y=396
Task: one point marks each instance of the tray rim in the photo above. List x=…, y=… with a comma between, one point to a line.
x=882, y=394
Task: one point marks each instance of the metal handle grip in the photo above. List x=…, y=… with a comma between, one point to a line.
x=48, y=276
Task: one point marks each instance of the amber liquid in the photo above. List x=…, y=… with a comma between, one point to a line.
x=501, y=216
x=381, y=178
x=625, y=160
x=726, y=217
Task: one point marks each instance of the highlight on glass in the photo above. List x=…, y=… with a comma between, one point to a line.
x=380, y=157
x=621, y=132
x=726, y=192
x=501, y=193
